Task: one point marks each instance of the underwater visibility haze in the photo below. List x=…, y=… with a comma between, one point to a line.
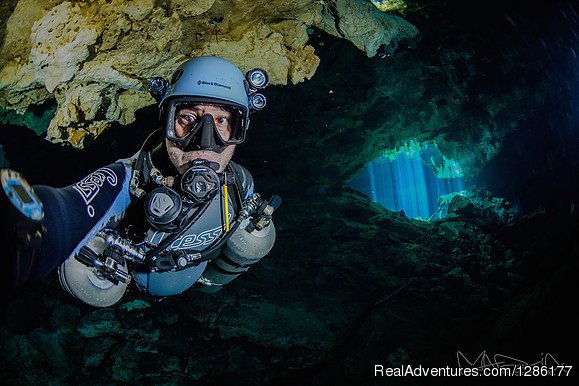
x=427, y=156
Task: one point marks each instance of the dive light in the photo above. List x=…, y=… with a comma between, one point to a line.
x=257, y=101
x=257, y=78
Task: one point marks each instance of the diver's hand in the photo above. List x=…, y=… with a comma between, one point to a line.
x=21, y=226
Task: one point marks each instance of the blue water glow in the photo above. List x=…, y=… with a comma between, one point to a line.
x=410, y=179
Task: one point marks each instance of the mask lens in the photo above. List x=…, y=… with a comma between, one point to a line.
x=223, y=123
x=185, y=121
x=234, y=133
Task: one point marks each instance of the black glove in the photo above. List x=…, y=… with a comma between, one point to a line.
x=21, y=228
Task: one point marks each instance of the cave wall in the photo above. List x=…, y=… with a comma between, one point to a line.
x=463, y=96
x=95, y=57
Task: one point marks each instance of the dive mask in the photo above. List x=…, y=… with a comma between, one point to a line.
x=201, y=132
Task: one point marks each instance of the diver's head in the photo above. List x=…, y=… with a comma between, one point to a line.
x=200, y=131
x=205, y=108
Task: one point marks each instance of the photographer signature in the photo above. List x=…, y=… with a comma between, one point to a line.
x=499, y=360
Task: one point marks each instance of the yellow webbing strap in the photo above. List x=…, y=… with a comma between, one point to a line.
x=226, y=208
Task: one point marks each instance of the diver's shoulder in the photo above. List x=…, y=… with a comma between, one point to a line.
x=243, y=177
x=239, y=168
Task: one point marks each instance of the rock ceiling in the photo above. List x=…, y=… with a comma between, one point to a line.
x=95, y=57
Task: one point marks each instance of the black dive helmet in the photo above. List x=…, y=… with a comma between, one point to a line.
x=210, y=79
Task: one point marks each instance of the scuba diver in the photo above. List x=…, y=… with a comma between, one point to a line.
x=176, y=215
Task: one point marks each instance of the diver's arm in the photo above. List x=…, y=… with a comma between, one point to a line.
x=72, y=216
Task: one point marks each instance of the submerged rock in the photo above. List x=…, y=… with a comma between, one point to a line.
x=365, y=26
x=98, y=323
x=389, y=5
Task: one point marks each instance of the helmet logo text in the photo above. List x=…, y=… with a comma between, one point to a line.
x=200, y=82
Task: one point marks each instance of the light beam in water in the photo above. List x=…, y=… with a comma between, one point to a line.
x=411, y=178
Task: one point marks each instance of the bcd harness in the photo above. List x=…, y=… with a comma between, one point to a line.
x=201, y=184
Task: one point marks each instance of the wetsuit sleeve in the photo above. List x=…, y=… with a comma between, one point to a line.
x=76, y=213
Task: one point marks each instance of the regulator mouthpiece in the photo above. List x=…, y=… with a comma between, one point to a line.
x=201, y=181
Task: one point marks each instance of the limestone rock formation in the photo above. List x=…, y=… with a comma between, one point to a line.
x=343, y=19
x=94, y=57
x=390, y=5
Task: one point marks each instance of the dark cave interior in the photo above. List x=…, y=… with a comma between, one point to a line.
x=351, y=284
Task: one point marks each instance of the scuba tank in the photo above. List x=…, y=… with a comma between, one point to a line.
x=251, y=241
x=93, y=278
